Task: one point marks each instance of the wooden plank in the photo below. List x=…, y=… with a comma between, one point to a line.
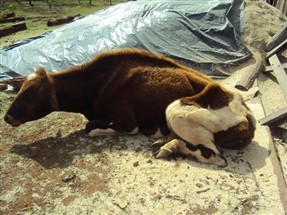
x=16, y=82
x=62, y=20
x=276, y=39
x=269, y=68
x=3, y=87
x=280, y=73
x=12, y=29
x=275, y=118
x=9, y=15
x=280, y=5
x=246, y=81
x=12, y=19
x=277, y=48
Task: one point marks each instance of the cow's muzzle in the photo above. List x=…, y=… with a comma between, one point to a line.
x=11, y=120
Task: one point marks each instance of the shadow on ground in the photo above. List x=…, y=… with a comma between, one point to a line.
x=59, y=152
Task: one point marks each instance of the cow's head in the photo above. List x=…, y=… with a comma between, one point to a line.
x=36, y=99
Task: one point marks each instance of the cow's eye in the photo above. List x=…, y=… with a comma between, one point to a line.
x=30, y=92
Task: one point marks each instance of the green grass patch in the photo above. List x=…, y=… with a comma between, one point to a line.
x=54, y=8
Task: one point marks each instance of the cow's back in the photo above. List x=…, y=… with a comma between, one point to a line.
x=151, y=89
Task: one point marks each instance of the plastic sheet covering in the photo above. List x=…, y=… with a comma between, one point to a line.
x=200, y=34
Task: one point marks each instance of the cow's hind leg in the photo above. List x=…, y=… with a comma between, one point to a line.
x=155, y=146
x=200, y=152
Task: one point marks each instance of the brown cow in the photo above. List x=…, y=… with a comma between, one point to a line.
x=118, y=91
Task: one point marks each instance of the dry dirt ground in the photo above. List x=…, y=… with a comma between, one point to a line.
x=51, y=166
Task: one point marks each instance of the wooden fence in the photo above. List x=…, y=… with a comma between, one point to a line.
x=279, y=4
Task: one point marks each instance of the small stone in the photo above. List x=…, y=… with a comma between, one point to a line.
x=121, y=203
x=149, y=161
x=135, y=164
x=138, y=149
x=68, y=177
x=142, y=200
x=199, y=185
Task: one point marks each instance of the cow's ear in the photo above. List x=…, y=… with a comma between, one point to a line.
x=41, y=72
x=189, y=101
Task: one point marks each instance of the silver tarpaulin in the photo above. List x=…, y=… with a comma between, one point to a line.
x=200, y=34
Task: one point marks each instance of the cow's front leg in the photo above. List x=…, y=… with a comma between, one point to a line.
x=115, y=117
x=101, y=127
x=201, y=153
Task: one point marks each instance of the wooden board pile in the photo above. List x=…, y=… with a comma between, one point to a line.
x=19, y=24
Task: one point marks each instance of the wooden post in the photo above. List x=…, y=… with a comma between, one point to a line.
x=63, y=20
x=276, y=39
x=3, y=87
x=279, y=73
x=275, y=118
x=12, y=19
x=247, y=80
x=15, y=82
x=12, y=29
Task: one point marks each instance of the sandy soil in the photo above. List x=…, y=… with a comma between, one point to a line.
x=51, y=166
